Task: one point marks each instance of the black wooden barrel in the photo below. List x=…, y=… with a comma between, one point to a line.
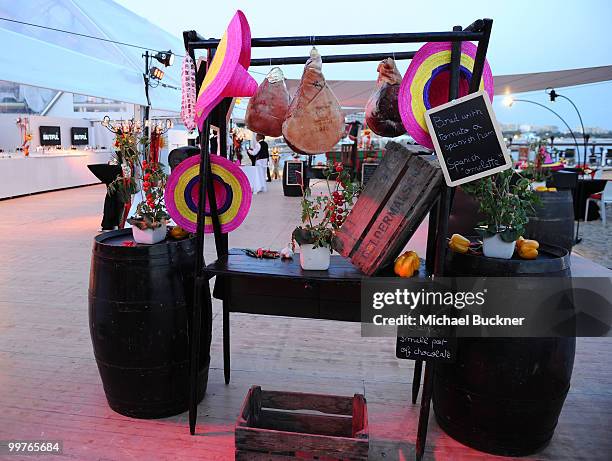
x=553, y=222
x=140, y=304
x=504, y=395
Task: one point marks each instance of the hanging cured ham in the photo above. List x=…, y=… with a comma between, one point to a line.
x=314, y=122
x=267, y=108
x=382, y=111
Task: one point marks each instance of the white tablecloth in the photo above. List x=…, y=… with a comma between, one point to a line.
x=257, y=178
x=21, y=175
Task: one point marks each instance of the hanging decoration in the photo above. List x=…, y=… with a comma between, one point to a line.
x=426, y=83
x=189, y=93
x=227, y=74
x=232, y=192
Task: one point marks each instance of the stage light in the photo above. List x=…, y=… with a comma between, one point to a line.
x=165, y=57
x=156, y=73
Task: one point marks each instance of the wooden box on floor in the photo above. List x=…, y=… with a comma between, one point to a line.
x=277, y=425
x=395, y=200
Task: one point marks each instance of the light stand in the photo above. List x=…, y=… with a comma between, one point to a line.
x=509, y=102
x=554, y=95
x=153, y=73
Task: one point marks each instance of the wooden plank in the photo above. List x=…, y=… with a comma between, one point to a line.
x=248, y=438
x=329, y=425
x=302, y=401
x=390, y=209
x=360, y=417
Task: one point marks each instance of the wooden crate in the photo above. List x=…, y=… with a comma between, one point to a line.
x=277, y=425
x=395, y=200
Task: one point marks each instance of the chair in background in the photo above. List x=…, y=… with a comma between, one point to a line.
x=601, y=199
x=570, y=156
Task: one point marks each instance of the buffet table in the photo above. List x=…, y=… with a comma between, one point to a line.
x=257, y=178
x=61, y=169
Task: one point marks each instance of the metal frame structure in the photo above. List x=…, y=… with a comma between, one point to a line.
x=479, y=31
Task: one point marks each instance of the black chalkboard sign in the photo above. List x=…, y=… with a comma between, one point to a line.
x=426, y=348
x=79, y=136
x=367, y=170
x=50, y=136
x=295, y=173
x=467, y=139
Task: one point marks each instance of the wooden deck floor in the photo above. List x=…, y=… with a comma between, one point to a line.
x=50, y=387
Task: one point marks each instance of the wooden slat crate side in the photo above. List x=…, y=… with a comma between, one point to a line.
x=360, y=417
x=400, y=216
x=261, y=440
x=242, y=455
x=372, y=198
x=330, y=425
x=302, y=401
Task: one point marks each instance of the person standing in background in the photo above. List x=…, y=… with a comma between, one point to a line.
x=262, y=154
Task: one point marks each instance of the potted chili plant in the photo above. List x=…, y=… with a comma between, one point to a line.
x=506, y=205
x=140, y=176
x=322, y=215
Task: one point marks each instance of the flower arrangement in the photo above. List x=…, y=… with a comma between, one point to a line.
x=129, y=141
x=323, y=214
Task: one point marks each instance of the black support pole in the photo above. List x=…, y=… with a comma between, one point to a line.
x=201, y=287
x=443, y=212
x=365, y=39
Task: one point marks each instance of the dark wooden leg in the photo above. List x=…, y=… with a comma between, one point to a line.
x=196, y=326
x=424, y=414
x=416, y=380
x=226, y=343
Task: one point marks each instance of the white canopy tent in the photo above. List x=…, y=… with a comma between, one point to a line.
x=353, y=94
x=55, y=60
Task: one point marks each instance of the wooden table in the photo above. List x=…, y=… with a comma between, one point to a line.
x=280, y=287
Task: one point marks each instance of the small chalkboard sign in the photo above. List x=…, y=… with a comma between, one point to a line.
x=367, y=170
x=426, y=348
x=295, y=173
x=467, y=139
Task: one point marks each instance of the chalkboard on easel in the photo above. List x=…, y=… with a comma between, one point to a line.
x=367, y=171
x=295, y=173
x=467, y=139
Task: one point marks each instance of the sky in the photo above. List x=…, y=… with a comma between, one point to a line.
x=527, y=36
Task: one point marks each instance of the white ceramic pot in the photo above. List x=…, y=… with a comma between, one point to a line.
x=536, y=184
x=495, y=247
x=314, y=259
x=149, y=236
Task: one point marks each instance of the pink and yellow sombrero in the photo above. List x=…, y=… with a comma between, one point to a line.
x=227, y=74
x=232, y=192
x=426, y=82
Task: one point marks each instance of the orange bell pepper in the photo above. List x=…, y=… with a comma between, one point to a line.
x=407, y=264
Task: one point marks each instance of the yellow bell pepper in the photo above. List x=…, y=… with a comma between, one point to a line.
x=541, y=189
x=407, y=264
x=458, y=243
x=527, y=249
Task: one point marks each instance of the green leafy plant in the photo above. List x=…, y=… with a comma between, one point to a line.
x=323, y=214
x=506, y=203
